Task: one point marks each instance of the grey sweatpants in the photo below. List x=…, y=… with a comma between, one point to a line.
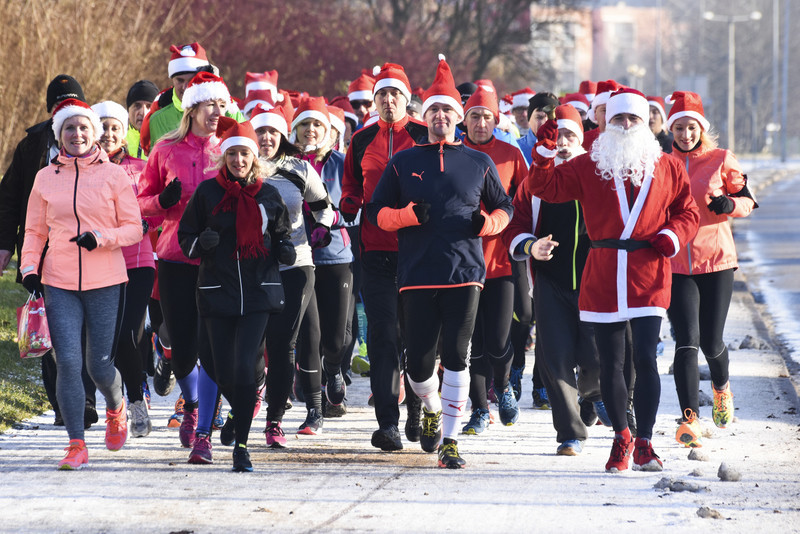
x=68, y=312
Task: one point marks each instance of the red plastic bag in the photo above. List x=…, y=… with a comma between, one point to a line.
x=33, y=333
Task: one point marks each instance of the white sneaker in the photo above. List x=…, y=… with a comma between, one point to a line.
x=140, y=420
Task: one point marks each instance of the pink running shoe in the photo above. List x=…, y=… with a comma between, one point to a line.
x=201, y=452
x=77, y=456
x=188, y=426
x=275, y=436
x=117, y=427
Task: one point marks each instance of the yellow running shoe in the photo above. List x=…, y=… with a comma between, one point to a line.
x=689, y=432
x=722, y=411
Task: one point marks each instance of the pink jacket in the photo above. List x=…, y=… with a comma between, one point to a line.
x=141, y=253
x=711, y=173
x=188, y=160
x=72, y=196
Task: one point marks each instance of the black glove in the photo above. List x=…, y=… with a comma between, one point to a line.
x=86, y=240
x=33, y=283
x=286, y=253
x=209, y=239
x=348, y=208
x=478, y=220
x=423, y=211
x=721, y=205
x=171, y=194
x=145, y=227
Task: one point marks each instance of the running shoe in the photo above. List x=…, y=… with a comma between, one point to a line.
x=77, y=456
x=335, y=388
x=413, y=426
x=722, y=410
x=146, y=392
x=227, y=434
x=387, y=438
x=507, y=406
x=570, y=447
x=644, y=459
x=89, y=416
x=448, y=455
x=689, y=431
x=241, y=459
x=163, y=378
x=478, y=422
x=201, y=451
x=276, y=439
x=515, y=380
x=117, y=427
x=587, y=411
x=259, y=399
x=360, y=362
x=602, y=413
x=431, y=430
x=312, y=426
x=540, y=400
x=334, y=410
x=188, y=427
x=218, y=422
x=620, y=458
x=175, y=419
x=141, y=425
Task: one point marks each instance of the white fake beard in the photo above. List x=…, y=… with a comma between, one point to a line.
x=626, y=154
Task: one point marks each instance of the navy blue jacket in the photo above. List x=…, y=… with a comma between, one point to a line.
x=454, y=180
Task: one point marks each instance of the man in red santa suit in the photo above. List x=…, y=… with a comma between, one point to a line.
x=639, y=211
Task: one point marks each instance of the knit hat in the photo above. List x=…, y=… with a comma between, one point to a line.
x=312, y=108
x=233, y=133
x=542, y=102
x=466, y=90
x=522, y=97
x=588, y=89
x=258, y=96
x=61, y=88
x=686, y=104
x=392, y=75
x=261, y=81
x=658, y=103
x=415, y=104
x=443, y=90
x=343, y=103
x=568, y=117
x=72, y=107
x=275, y=118
x=604, y=90
x=187, y=58
x=112, y=110
x=628, y=100
x=576, y=100
x=141, y=90
x=483, y=99
x=361, y=87
x=203, y=87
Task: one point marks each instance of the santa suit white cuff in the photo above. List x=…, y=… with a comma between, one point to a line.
x=545, y=152
x=513, y=246
x=675, y=242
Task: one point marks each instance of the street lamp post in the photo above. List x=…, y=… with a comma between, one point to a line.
x=731, y=20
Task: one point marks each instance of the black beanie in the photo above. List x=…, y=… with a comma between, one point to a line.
x=541, y=101
x=141, y=90
x=466, y=90
x=61, y=88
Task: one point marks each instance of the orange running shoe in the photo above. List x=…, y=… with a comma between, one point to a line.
x=689, y=431
x=175, y=419
x=117, y=427
x=77, y=456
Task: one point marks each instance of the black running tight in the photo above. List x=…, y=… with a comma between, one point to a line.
x=129, y=354
x=177, y=284
x=698, y=313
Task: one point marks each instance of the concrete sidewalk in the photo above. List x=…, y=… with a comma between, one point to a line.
x=513, y=482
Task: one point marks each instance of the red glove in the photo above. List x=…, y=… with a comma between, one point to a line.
x=548, y=130
x=545, y=148
x=664, y=245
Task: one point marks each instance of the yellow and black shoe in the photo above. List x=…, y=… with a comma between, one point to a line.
x=448, y=455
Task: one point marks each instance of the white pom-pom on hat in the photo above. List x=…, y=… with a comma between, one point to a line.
x=441, y=57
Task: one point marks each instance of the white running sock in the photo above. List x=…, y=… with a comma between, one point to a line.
x=428, y=392
x=455, y=391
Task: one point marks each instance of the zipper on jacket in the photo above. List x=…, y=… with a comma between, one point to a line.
x=391, y=140
x=441, y=157
x=575, y=245
x=689, y=244
x=241, y=290
x=75, y=211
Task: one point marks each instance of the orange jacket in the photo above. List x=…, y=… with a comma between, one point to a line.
x=711, y=173
x=75, y=195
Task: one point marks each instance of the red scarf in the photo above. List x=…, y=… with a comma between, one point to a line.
x=241, y=200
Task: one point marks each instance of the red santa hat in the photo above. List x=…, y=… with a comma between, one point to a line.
x=521, y=98
x=686, y=104
x=392, y=75
x=604, y=90
x=628, y=100
x=187, y=58
x=233, y=133
x=658, y=103
x=588, y=89
x=258, y=96
x=372, y=118
x=568, y=117
x=483, y=99
x=361, y=87
x=576, y=100
x=487, y=84
x=204, y=87
x=273, y=117
x=72, y=107
x=343, y=103
x=111, y=110
x=336, y=115
x=505, y=104
x=262, y=81
x=443, y=90
x=312, y=108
